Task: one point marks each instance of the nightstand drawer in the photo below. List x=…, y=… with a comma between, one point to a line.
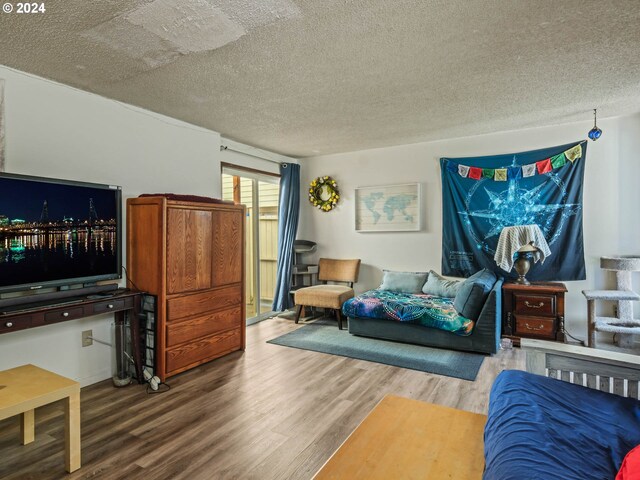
x=535, y=327
x=539, y=305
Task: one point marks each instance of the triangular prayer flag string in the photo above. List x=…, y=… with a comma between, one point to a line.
x=514, y=172
x=529, y=170
x=475, y=173
x=574, y=153
x=500, y=175
x=544, y=166
x=558, y=161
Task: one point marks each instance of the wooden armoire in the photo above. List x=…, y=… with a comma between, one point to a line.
x=190, y=255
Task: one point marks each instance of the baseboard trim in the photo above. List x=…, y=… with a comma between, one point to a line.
x=95, y=378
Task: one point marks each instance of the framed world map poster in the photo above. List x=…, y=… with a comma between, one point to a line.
x=390, y=208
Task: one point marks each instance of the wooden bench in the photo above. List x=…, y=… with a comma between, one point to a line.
x=410, y=439
x=25, y=388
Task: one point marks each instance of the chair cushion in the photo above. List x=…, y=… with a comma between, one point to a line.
x=325, y=296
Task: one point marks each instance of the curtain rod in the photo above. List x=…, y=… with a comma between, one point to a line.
x=226, y=147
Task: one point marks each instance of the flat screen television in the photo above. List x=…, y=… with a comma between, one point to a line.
x=58, y=232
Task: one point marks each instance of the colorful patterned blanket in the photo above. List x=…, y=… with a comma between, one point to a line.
x=426, y=310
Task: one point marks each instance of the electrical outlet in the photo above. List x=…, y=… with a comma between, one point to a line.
x=87, y=338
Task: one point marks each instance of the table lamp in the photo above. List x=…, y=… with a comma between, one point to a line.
x=526, y=243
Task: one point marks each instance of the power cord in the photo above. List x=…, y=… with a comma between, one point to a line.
x=102, y=342
x=581, y=342
x=154, y=384
x=161, y=388
x=128, y=279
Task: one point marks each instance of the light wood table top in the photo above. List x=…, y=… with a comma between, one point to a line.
x=409, y=439
x=28, y=387
x=25, y=388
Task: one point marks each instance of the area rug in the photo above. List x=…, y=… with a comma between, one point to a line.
x=323, y=336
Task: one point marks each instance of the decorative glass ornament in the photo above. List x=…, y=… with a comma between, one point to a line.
x=595, y=132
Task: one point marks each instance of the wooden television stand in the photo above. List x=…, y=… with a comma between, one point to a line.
x=47, y=309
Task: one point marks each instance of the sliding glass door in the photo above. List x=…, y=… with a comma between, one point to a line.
x=259, y=193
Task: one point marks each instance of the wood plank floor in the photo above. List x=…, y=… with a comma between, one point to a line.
x=271, y=412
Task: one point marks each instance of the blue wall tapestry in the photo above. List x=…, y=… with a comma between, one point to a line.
x=482, y=195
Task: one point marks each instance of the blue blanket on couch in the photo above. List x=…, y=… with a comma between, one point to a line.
x=541, y=428
x=419, y=308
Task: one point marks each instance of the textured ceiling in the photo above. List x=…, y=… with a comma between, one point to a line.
x=303, y=77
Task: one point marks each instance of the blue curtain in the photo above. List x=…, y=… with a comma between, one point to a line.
x=288, y=214
x=476, y=210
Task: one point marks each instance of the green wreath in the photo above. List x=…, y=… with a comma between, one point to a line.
x=323, y=193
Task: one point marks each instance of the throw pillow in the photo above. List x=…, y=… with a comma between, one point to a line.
x=441, y=287
x=473, y=293
x=630, y=468
x=403, y=282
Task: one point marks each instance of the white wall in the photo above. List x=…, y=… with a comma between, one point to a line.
x=611, y=200
x=56, y=131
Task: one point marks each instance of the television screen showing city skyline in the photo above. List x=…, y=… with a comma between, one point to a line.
x=56, y=231
x=70, y=201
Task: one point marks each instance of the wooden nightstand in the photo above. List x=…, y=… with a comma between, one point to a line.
x=533, y=311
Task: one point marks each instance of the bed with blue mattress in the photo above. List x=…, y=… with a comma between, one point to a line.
x=543, y=428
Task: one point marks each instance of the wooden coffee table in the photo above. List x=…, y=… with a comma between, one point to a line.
x=25, y=388
x=410, y=439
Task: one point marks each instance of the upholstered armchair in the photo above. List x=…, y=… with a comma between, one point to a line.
x=343, y=274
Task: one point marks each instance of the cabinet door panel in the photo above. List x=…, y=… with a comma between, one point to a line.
x=145, y=246
x=228, y=247
x=189, y=249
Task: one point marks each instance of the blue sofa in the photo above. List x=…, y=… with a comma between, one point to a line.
x=543, y=428
x=484, y=339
